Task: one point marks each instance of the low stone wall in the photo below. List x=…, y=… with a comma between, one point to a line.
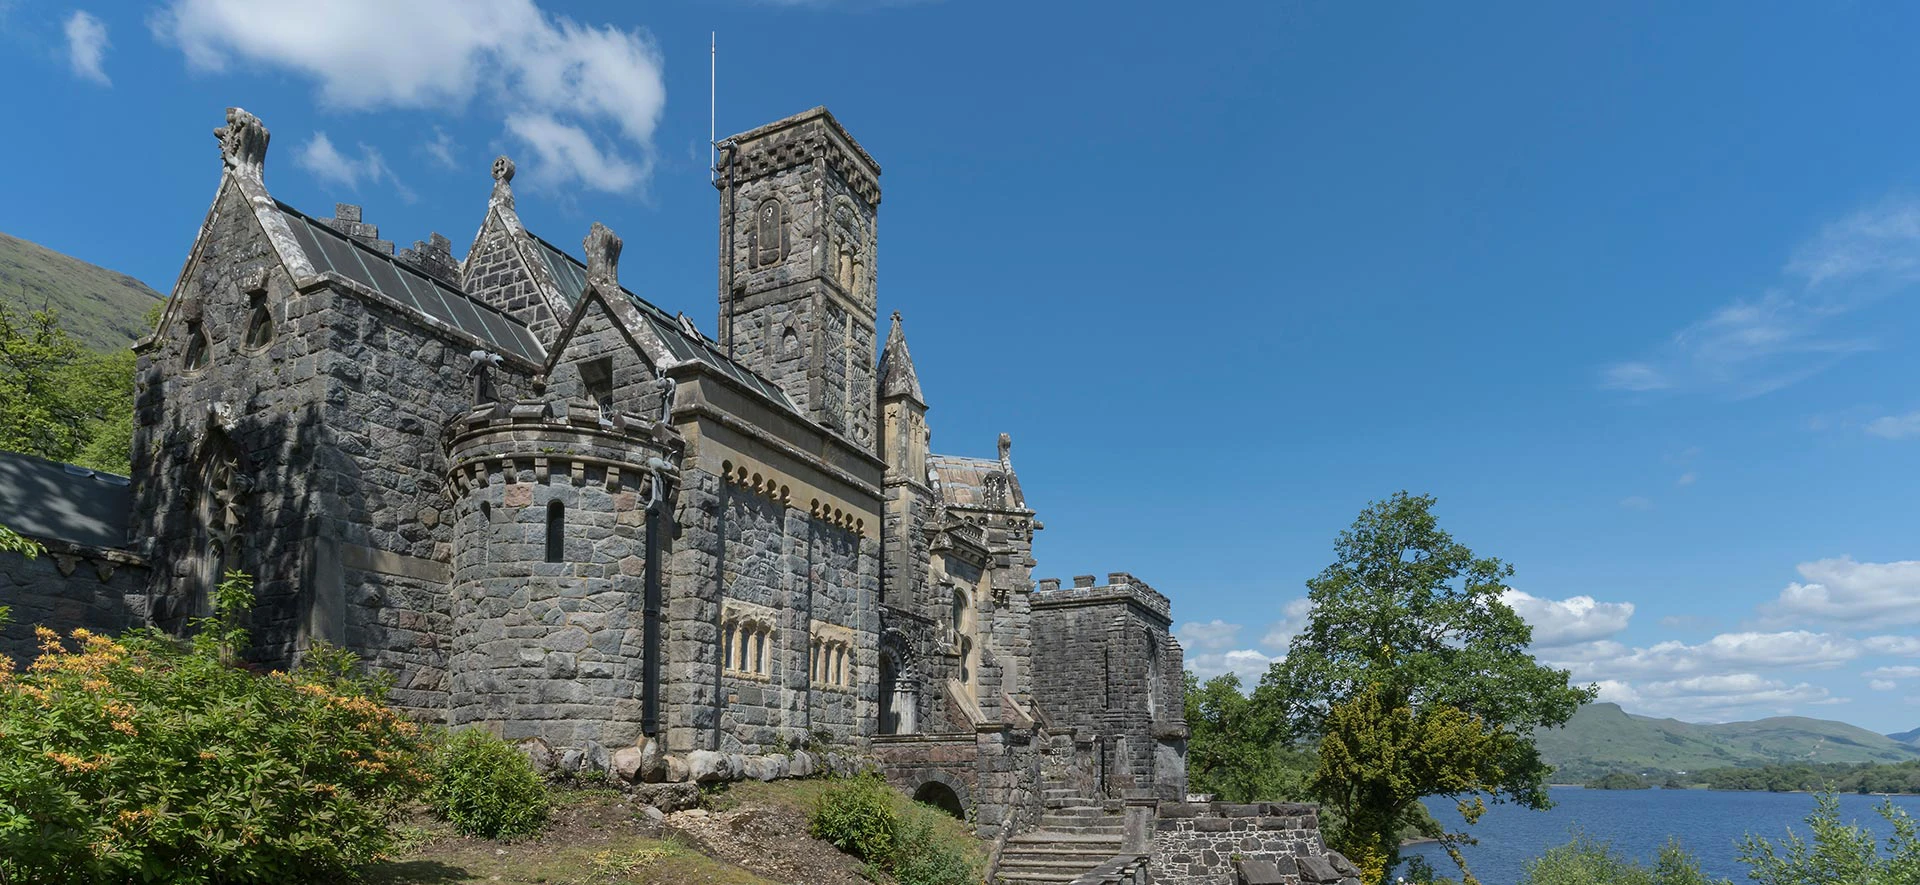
x=1224, y=844
x=69, y=586
x=1126, y=869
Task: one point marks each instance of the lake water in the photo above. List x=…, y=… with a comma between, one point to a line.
x=1709, y=823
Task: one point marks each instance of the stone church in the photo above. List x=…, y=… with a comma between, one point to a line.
x=555, y=510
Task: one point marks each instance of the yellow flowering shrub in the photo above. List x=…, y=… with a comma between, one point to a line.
x=140, y=759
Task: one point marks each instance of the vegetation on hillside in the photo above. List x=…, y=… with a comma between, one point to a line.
x=1601, y=738
x=865, y=818
x=60, y=401
x=103, y=309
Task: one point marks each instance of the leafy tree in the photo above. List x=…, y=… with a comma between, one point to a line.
x=1840, y=853
x=1232, y=752
x=59, y=401
x=1416, y=679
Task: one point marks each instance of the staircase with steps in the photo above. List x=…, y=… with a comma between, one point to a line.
x=1074, y=835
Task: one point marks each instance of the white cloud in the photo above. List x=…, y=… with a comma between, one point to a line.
x=1882, y=684
x=1293, y=619
x=1725, y=653
x=1563, y=622
x=328, y=164
x=1901, y=646
x=1208, y=635
x=1895, y=426
x=567, y=154
x=1881, y=241
x=87, y=46
x=1899, y=672
x=1686, y=479
x=1249, y=664
x=586, y=100
x=1728, y=695
x=1636, y=502
x=1847, y=591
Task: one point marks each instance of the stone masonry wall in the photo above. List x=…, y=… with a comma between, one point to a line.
x=1209, y=844
x=392, y=388
x=257, y=407
x=67, y=587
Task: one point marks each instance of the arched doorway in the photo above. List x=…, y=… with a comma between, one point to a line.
x=941, y=796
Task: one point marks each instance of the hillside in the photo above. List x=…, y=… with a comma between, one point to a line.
x=1603, y=738
x=1910, y=738
x=105, y=309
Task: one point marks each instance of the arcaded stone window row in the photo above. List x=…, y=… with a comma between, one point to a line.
x=747, y=648
x=830, y=665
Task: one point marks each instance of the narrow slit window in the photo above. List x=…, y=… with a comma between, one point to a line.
x=556, y=531
x=259, y=323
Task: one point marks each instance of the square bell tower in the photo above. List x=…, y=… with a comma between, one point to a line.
x=798, y=203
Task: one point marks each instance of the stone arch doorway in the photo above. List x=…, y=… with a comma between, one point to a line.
x=941, y=796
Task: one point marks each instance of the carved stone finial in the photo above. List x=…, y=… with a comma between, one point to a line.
x=1006, y=446
x=603, y=255
x=896, y=318
x=502, y=180
x=243, y=142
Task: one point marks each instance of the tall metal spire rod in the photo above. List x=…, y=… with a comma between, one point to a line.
x=713, y=82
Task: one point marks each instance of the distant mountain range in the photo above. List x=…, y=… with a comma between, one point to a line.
x=1602, y=738
x=102, y=308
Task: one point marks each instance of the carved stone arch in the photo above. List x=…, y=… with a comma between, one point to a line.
x=220, y=482
x=940, y=790
x=899, y=685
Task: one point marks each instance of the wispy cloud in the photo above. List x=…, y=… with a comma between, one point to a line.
x=1636, y=502
x=584, y=99
x=441, y=148
x=1904, y=426
x=1686, y=479
x=1211, y=635
x=87, y=46
x=1797, y=328
x=1841, y=590
x=329, y=165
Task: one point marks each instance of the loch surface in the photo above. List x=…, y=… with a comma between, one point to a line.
x=1709, y=823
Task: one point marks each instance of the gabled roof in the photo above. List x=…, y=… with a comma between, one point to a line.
x=330, y=250
x=976, y=482
x=570, y=275
x=61, y=502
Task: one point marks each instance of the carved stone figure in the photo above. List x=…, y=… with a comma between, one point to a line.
x=603, y=255
x=243, y=142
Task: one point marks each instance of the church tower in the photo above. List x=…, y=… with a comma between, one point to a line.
x=798, y=202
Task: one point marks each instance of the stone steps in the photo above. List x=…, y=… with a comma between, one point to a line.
x=1041, y=857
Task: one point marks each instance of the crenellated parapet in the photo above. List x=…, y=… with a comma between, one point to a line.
x=1120, y=587
x=557, y=437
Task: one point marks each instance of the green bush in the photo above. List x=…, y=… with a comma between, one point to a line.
x=921, y=858
x=857, y=816
x=864, y=817
x=1585, y=861
x=485, y=787
x=139, y=760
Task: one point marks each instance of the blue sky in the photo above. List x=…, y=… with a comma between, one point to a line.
x=1630, y=288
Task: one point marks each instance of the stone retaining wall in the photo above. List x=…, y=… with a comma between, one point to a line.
x=67, y=587
x=1222, y=844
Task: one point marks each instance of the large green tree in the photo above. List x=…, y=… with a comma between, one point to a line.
x=1416, y=680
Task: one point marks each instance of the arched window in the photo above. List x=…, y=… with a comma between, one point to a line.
x=197, y=346
x=556, y=531
x=769, y=224
x=959, y=613
x=259, y=323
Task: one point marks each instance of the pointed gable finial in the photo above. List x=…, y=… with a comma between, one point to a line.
x=897, y=377
x=1006, y=449
x=243, y=142
x=503, y=179
x=603, y=256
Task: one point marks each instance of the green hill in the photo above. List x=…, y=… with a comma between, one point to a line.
x=104, y=309
x=1910, y=738
x=1602, y=738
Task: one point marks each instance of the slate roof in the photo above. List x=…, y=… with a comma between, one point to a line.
x=61, y=502
x=976, y=482
x=329, y=249
x=570, y=275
